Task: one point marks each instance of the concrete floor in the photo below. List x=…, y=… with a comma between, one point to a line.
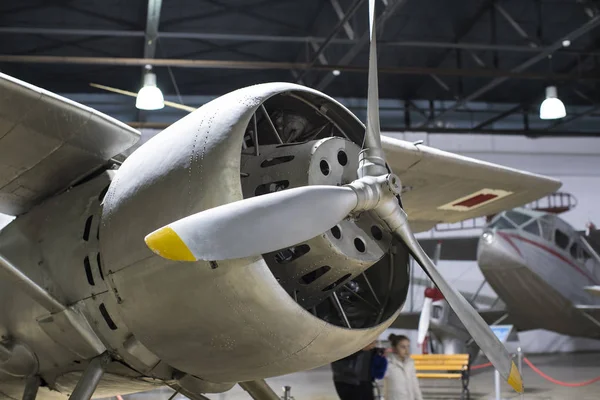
x=317, y=385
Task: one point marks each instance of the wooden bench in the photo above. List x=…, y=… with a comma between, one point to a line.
x=444, y=366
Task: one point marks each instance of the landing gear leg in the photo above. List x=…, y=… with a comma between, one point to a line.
x=31, y=387
x=91, y=377
x=259, y=390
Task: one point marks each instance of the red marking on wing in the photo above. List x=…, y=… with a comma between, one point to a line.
x=475, y=200
x=555, y=254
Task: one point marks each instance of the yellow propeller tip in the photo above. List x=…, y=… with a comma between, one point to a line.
x=514, y=379
x=166, y=243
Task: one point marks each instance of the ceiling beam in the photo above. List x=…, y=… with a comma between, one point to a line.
x=515, y=25
x=463, y=30
x=441, y=83
x=111, y=18
x=151, y=34
x=351, y=11
x=273, y=65
x=390, y=9
x=572, y=118
x=498, y=117
x=582, y=30
x=341, y=15
x=243, y=37
x=247, y=8
x=322, y=58
x=476, y=58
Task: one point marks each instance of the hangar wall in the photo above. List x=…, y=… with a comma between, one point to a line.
x=575, y=161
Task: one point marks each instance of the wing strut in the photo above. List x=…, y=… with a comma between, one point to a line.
x=65, y=325
x=259, y=390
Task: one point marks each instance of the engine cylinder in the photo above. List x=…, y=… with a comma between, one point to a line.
x=312, y=271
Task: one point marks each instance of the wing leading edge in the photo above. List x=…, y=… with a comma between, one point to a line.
x=48, y=142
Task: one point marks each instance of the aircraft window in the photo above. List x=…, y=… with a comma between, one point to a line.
x=436, y=312
x=561, y=239
x=586, y=255
x=502, y=223
x=574, y=250
x=533, y=228
x=517, y=217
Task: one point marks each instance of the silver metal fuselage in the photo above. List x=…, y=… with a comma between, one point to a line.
x=541, y=282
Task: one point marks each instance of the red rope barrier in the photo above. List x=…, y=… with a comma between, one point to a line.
x=476, y=367
x=543, y=375
x=548, y=378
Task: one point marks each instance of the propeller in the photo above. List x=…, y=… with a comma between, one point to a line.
x=425, y=317
x=226, y=238
x=224, y=232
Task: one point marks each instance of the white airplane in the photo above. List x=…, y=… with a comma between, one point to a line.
x=545, y=271
x=190, y=266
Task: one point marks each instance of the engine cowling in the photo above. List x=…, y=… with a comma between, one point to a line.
x=262, y=316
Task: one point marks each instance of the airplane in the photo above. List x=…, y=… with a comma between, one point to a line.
x=214, y=253
x=544, y=270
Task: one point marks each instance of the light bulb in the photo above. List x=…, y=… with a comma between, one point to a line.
x=552, y=107
x=150, y=96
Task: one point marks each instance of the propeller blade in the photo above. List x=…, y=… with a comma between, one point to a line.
x=373, y=134
x=131, y=94
x=254, y=226
x=473, y=322
x=424, y=320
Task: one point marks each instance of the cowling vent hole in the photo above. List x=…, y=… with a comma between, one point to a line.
x=88, y=227
x=293, y=253
x=337, y=283
x=271, y=187
x=312, y=276
x=269, y=162
x=109, y=321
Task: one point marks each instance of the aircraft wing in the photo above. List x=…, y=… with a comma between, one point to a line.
x=48, y=143
x=453, y=248
x=444, y=187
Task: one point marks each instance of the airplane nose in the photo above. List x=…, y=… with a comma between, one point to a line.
x=499, y=250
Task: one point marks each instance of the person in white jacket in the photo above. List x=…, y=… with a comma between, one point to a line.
x=400, y=380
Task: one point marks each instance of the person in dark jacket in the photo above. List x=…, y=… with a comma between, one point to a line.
x=353, y=375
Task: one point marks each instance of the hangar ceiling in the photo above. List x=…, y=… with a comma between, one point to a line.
x=479, y=65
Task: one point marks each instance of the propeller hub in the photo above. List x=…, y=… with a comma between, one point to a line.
x=394, y=184
x=371, y=162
